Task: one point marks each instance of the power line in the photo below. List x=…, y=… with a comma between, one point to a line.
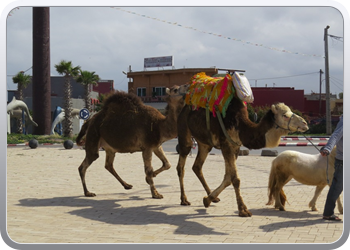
x=339, y=86
x=338, y=38
x=259, y=45
x=337, y=79
x=22, y=71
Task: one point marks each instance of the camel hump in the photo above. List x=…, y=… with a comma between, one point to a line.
x=123, y=98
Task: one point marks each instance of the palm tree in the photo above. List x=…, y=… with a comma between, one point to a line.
x=66, y=69
x=99, y=105
x=87, y=78
x=22, y=81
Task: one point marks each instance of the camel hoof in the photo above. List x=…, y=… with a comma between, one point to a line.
x=206, y=201
x=245, y=213
x=185, y=203
x=314, y=209
x=157, y=196
x=216, y=200
x=88, y=194
x=127, y=186
x=282, y=209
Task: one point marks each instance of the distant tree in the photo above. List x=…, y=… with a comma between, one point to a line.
x=101, y=98
x=87, y=78
x=22, y=80
x=341, y=95
x=66, y=69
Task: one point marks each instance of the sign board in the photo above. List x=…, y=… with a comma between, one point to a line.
x=162, y=61
x=84, y=114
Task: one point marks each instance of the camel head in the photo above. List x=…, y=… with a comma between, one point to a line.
x=178, y=90
x=176, y=98
x=177, y=93
x=285, y=122
x=285, y=119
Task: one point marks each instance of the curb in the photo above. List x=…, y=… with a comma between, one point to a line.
x=27, y=144
x=303, y=139
x=283, y=144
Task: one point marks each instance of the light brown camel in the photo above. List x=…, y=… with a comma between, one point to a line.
x=278, y=121
x=126, y=125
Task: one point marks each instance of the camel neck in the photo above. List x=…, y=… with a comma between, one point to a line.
x=169, y=124
x=273, y=137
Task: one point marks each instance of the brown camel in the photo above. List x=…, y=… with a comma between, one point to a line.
x=278, y=121
x=126, y=125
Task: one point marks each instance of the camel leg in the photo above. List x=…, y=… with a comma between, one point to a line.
x=203, y=151
x=109, y=166
x=181, y=173
x=166, y=165
x=185, y=145
x=231, y=176
x=147, y=159
x=312, y=203
x=89, y=158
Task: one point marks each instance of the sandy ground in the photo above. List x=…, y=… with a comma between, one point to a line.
x=45, y=203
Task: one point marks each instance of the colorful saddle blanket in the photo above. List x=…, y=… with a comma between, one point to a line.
x=208, y=92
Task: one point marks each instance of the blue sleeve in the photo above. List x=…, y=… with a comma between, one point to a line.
x=336, y=136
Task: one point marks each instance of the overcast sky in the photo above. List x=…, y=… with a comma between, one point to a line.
x=284, y=44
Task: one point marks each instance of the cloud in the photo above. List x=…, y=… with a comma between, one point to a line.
x=107, y=40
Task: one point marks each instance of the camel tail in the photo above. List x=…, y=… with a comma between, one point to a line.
x=80, y=140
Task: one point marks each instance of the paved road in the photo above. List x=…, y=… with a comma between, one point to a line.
x=170, y=146
x=45, y=203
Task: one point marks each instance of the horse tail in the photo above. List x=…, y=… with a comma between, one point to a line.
x=272, y=183
x=79, y=140
x=275, y=175
x=283, y=197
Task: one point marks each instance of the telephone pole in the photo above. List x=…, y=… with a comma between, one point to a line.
x=320, y=98
x=328, y=103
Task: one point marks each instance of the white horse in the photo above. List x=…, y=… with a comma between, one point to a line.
x=304, y=168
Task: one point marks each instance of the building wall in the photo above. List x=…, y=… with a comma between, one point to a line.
x=104, y=86
x=289, y=96
x=262, y=95
x=57, y=88
x=162, y=78
x=313, y=107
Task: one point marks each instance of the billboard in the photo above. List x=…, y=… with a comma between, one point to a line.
x=161, y=61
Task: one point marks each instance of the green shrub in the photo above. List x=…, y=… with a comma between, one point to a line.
x=21, y=138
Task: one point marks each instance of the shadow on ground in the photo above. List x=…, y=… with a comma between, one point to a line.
x=111, y=212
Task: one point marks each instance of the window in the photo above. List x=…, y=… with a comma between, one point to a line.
x=158, y=91
x=141, y=91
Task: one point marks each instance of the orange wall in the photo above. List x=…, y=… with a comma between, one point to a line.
x=163, y=78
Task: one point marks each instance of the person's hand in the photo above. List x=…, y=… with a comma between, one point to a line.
x=324, y=152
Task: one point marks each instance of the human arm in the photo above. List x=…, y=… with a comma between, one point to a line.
x=334, y=139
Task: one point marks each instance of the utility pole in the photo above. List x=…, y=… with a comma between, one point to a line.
x=328, y=103
x=321, y=72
